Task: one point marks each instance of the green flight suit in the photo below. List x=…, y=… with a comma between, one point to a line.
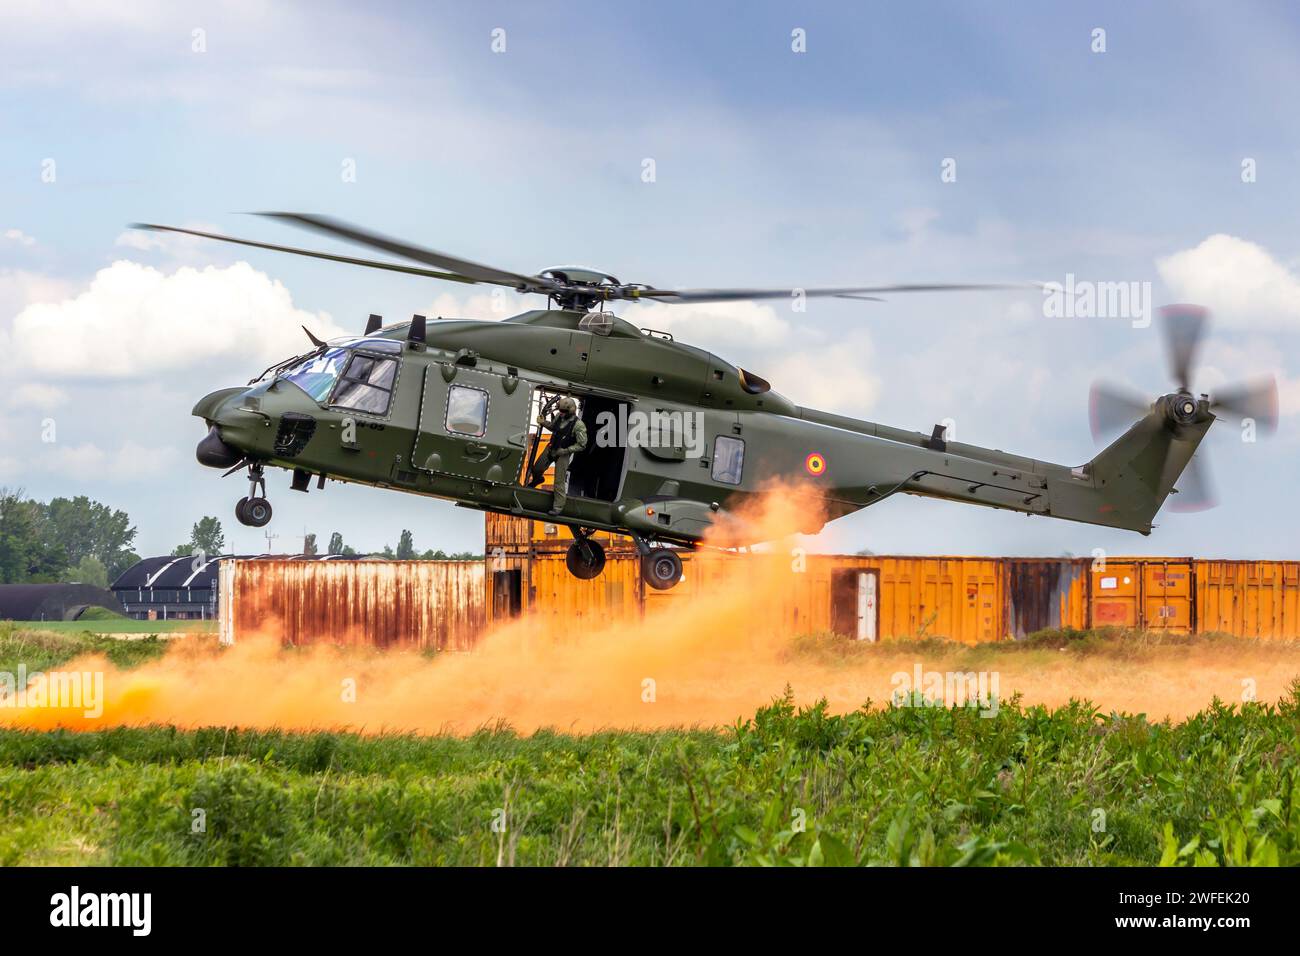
x=568, y=437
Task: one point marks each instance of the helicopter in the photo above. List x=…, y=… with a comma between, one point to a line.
x=684, y=440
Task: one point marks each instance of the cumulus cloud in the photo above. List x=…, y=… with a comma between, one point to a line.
x=750, y=323
x=37, y=395
x=134, y=321
x=498, y=303
x=139, y=240
x=1238, y=280
x=833, y=380
x=18, y=236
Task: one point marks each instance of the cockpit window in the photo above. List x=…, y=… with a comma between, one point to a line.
x=317, y=373
x=354, y=379
x=367, y=384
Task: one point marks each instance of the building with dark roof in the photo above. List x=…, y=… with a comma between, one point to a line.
x=52, y=602
x=169, y=588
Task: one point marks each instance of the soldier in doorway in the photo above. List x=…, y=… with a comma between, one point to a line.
x=568, y=437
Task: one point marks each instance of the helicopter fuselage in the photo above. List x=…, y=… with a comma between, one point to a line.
x=451, y=410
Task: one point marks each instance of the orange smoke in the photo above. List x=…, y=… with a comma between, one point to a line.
x=712, y=660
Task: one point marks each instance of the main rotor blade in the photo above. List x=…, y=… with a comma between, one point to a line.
x=1113, y=408
x=1184, y=325
x=677, y=296
x=1195, y=488
x=369, y=263
x=1256, y=399
x=476, y=271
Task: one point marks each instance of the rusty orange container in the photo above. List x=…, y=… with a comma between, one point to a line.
x=416, y=604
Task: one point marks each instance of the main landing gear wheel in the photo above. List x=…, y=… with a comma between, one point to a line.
x=254, y=512
x=585, y=559
x=661, y=569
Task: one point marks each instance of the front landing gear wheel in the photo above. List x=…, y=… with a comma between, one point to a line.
x=239, y=511
x=257, y=512
x=585, y=559
x=661, y=569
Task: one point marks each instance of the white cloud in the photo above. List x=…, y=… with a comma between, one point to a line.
x=139, y=240
x=18, y=236
x=833, y=380
x=131, y=462
x=134, y=321
x=749, y=323
x=1238, y=280
x=499, y=303
x=37, y=395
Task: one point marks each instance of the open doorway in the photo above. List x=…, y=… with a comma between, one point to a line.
x=596, y=471
x=854, y=605
x=507, y=593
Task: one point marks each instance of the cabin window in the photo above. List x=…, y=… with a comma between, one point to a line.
x=728, y=459
x=467, y=410
x=367, y=384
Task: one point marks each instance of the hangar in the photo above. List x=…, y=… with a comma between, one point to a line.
x=169, y=588
x=52, y=602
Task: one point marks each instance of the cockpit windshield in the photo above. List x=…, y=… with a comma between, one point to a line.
x=317, y=373
x=360, y=375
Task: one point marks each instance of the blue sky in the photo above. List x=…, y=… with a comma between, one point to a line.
x=772, y=167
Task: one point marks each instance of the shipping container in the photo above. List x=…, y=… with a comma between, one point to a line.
x=1156, y=594
x=511, y=535
x=436, y=605
x=862, y=597
x=1044, y=593
x=1248, y=598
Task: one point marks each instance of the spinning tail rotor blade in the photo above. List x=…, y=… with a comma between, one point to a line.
x=1195, y=488
x=1113, y=408
x=1256, y=399
x=1184, y=326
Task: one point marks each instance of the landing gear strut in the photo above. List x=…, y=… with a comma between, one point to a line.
x=585, y=558
x=255, y=510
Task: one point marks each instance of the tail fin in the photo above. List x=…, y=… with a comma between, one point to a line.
x=1126, y=484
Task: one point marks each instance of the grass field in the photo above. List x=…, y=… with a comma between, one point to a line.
x=115, y=625
x=905, y=785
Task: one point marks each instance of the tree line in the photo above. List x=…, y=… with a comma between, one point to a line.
x=78, y=539
x=64, y=539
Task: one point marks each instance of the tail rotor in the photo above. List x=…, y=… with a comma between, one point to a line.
x=1113, y=408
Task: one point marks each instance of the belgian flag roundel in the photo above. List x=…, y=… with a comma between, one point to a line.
x=815, y=464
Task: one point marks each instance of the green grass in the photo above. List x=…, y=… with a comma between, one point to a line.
x=899, y=786
x=94, y=613
x=902, y=785
x=39, y=648
x=116, y=625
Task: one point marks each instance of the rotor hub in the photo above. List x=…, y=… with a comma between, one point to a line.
x=1182, y=408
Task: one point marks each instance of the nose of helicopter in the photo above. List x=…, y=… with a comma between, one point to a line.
x=213, y=451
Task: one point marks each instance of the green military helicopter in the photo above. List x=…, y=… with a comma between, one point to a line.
x=681, y=439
